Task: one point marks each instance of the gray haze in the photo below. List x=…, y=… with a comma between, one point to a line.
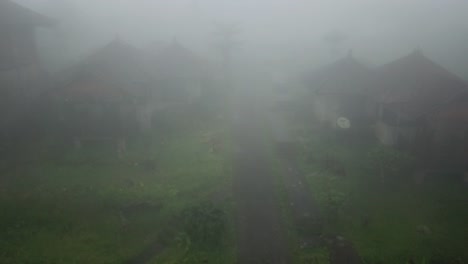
x=289, y=33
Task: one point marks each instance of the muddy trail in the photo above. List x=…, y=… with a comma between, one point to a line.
x=261, y=236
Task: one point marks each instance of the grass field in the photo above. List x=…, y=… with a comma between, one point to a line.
x=88, y=206
x=390, y=221
x=64, y=205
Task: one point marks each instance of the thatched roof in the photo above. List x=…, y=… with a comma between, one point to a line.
x=117, y=65
x=14, y=14
x=116, y=62
x=415, y=86
x=175, y=61
x=345, y=76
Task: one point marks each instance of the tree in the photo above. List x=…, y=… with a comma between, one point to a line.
x=225, y=37
x=335, y=40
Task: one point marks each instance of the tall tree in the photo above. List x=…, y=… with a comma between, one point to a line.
x=335, y=40
x=225, y=37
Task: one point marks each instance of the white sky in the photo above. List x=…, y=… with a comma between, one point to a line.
x=378, y=30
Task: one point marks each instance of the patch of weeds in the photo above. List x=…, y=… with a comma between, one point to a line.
x=204, y=224
x=88, y=206
x=331, y=194
x=317, y=255
x=183, y=242
x=388, y=162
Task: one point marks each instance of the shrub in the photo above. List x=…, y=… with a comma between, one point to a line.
x=204, y=224
x=387, y=162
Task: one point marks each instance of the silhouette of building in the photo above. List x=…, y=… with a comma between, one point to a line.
x=341, y=90
x=178, y=74
x=102, y=97
x=21, y=75
x=411, y=91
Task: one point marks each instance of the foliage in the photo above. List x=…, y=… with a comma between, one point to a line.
x=316, y=255
x=183, y=241
x=331, y=194
x=69, y=209
x=388, y=161
x=204, y=224
x=382, y=220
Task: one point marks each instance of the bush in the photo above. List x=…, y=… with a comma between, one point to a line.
x=386, y=161
x=204, y=224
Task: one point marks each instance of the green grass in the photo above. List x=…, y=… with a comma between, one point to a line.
x=317, y=255
x=67, y=209
x=387, y=222
x=299, y=254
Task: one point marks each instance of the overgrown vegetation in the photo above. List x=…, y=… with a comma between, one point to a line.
x=368, y=195
x=388, y=162
x=66, y=205
x=204, y=224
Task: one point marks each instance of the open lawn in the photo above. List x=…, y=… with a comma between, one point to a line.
x=87, y=206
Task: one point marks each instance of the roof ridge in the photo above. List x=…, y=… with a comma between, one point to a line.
x=14, y=10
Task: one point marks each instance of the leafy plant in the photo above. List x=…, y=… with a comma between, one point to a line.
x=183, y=241
x=334, y=197
x=204, y=224
x=388, y=161
x=330, y=193
x=318, y=255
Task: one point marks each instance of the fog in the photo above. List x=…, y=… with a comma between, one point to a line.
x=234, y=131
x=278, y=31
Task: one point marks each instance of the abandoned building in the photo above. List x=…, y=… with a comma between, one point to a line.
x=104, y=97
x=21, y=75
x=413, y=102
x=179, y=76
x=340, y=90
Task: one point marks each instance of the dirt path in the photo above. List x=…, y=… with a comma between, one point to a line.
x=261, y=236
x=305, y=213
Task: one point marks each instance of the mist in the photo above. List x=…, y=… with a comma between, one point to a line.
x=234, y=131
x=377, y=31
